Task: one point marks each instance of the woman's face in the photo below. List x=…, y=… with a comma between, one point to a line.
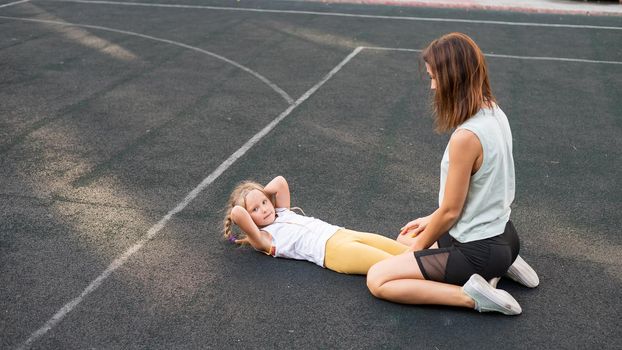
x=432, y=76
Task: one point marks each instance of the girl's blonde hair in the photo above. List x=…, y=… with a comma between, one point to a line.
x=238, y=197
x=462, y=85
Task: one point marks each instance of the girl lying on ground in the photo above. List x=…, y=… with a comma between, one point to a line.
x=264, y=215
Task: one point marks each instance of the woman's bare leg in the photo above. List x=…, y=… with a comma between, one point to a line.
x=400, y=280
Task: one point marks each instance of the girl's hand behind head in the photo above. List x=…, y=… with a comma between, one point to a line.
x=242, y=241
x=260, y=208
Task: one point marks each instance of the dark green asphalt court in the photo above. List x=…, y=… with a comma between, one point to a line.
x=119, y=130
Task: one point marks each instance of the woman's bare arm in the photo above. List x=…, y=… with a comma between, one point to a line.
x=464, y=149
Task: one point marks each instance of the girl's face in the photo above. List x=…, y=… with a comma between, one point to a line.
x=432, y=77
x=260, y=208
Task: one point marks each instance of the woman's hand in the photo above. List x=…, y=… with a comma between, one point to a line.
x=415, y=227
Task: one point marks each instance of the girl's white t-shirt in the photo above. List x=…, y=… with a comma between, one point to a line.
x=300, y=237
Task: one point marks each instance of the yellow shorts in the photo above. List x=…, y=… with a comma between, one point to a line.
x=355, y=252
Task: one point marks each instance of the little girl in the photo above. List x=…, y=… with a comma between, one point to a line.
x=264, y=214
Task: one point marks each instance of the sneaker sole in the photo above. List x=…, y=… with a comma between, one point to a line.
x=507, y=306
x=522, y=273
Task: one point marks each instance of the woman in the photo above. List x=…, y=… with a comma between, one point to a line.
x=469, y=239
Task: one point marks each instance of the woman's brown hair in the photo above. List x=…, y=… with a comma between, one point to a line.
x=462, y=86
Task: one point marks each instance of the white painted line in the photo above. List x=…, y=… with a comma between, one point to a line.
x=153, y=231
x=13, y=3
x=272, y=85
x=391, y=49
x=338, y=14
x=560, y=59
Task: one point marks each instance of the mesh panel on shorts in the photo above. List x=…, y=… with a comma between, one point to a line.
x=435, y=265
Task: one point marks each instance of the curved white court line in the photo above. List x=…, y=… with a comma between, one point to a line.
x=153, y=231
x=537, y=58
x=272, y=85
x=340, y=14
x=14, y=3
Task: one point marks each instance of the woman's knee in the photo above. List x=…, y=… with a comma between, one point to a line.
x=375, y=280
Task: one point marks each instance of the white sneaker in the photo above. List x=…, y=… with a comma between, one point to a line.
x=494, y=281
x=522, y=273
x=488, y=298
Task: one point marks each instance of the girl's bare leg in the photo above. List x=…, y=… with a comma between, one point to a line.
x=409, y=241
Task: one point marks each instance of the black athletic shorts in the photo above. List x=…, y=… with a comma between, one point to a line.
x=454, y=262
